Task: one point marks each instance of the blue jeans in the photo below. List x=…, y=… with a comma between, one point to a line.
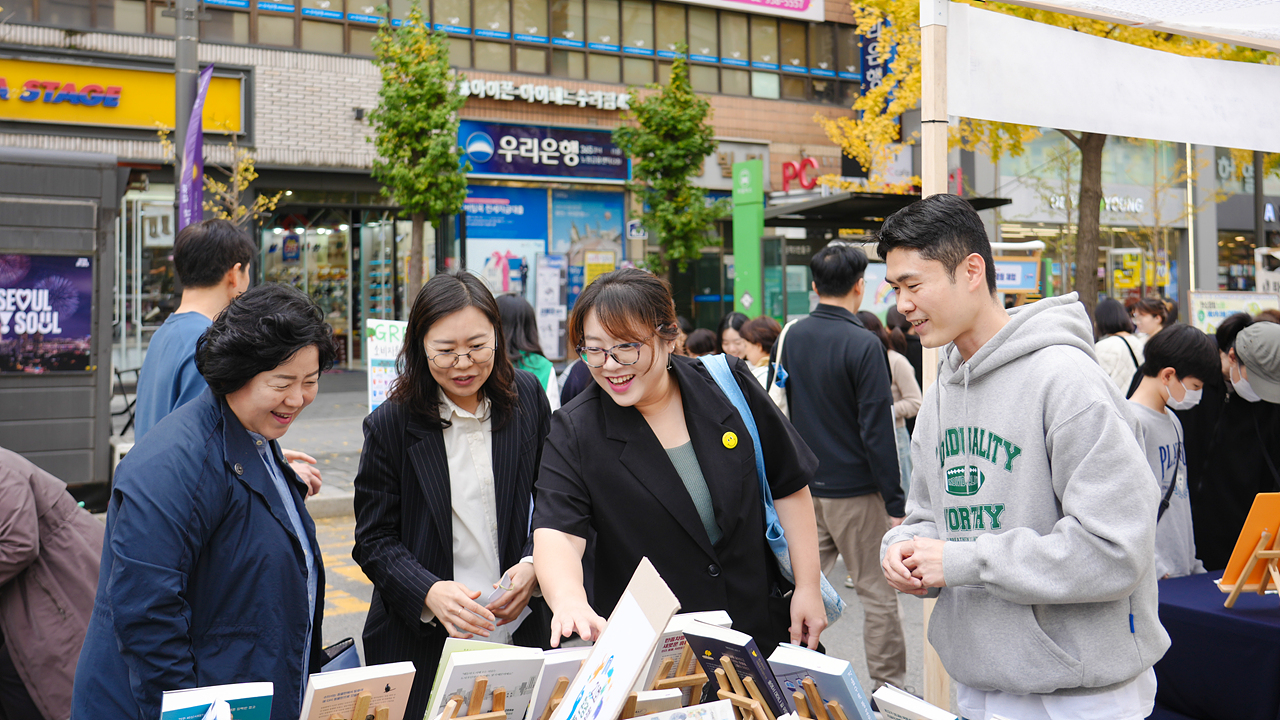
x=903, y=439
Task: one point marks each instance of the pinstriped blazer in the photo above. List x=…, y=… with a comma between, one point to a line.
x=404, y=525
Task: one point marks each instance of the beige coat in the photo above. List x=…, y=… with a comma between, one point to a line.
x=906, y=391
x=49, y=554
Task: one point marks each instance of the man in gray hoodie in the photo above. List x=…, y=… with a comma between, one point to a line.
x=1032, y=510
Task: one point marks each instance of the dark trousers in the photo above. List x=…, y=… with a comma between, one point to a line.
x=15, y=702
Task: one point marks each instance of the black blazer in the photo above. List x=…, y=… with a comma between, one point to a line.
x=404, y=526
x=604, y=469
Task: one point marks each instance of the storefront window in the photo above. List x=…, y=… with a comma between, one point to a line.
x=704, y=78
x=765, y=85
x=850, y=49
x=568, y=64
x=637, y=24
x=531, y=19
x=764, y=42
x=1237, y=267
x=567, y=21
x=733, y=38
x=637, y=71
x=459, y=52
x=531, y=60
x=604, y=68
x=226, y=26
x=493, y=20
x=793, y=44
x=493, y=56
x=670, y=26
x=453, y=12
x=323, y=37
x=312, y=252
x=703, y=33
x=602, y=25
x=362, y=41
x=735, y=82
x=272, y=30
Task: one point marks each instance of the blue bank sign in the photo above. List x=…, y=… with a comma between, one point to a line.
x=535, y=152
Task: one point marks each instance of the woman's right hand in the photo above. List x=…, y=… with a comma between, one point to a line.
x=575, y=617
x=455, y=607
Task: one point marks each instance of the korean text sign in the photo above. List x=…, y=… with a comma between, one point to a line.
x=46, y=313
x=535, y=151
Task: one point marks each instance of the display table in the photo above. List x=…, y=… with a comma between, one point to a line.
x=1224, y=664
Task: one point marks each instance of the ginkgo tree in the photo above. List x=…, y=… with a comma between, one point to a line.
x=870, y=135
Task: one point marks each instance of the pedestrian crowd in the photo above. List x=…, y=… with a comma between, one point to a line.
x=1055, y=471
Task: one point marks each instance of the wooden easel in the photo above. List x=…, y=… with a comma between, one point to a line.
x=478, y=691
x=810, y=698
x=742, y=692
x=557, y=696
x=361, y=711
x=1270, y=575
x=689, y=674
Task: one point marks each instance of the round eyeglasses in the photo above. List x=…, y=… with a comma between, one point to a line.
x=622, y=353
x=477, y=356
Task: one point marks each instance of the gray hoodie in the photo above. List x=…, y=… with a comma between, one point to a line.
x=1050, y=566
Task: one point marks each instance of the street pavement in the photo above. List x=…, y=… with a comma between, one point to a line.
x=330, y=431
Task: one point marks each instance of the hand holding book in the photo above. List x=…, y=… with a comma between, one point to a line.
x=514, y=590
x=454, y=606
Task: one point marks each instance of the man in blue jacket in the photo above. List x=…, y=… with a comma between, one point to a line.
x=841, y=404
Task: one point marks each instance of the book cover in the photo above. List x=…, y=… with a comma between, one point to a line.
x=559, y=663
x=671, y=644
x=710, y=643
x=451, y=646
x=834, y=678
x=649, y=702
x=248, y=701
x=623, y=649
x=718, y=710
x=514, y=669
x=337, y=692
x=896, y=704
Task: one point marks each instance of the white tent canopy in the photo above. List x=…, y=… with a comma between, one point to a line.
x=1252, y=23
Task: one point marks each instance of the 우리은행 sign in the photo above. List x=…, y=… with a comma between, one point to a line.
x=501, y=150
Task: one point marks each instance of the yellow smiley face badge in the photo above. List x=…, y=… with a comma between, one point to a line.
x=730, y=440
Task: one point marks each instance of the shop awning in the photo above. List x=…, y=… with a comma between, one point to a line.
x=853, y=210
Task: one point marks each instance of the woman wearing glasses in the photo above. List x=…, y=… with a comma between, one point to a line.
x=655, y=459
x=443, y=493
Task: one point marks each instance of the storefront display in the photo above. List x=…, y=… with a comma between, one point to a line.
x=313, y=254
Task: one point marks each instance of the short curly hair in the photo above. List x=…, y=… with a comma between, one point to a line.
x=260, y=331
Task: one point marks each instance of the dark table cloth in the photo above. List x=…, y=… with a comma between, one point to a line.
x=1224, y=664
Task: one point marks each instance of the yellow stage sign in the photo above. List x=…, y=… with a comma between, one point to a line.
x=63, y=93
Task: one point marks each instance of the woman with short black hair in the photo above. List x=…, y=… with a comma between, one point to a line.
x=728, y=340
x=1119, y=351
x=211, y=573
x=445, y=485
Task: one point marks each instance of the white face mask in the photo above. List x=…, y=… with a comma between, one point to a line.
x=1190, y=399
x=1242, y=387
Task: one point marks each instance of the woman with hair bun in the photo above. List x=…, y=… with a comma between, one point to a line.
x=210, y=572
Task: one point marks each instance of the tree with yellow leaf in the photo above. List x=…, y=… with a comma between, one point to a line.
x=868, y=135
x=227, y=202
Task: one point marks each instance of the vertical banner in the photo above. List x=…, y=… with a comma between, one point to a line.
x=383, y=340
x=191, y=185
x=748, y=229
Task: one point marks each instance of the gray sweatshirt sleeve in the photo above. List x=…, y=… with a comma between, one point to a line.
x=1104, y=543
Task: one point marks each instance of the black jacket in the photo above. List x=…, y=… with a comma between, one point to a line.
x=841, y=403
x=604, y=469
x=404, y=527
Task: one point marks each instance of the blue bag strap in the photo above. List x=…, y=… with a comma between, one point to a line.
x=718, y=366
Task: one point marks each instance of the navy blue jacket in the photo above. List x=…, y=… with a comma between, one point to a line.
x=203, y=580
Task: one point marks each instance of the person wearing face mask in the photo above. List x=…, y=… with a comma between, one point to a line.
x=1178, y=362
x=444, y=489
x=657, y=461
x=1230, y=437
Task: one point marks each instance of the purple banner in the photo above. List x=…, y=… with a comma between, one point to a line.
x=191, y=184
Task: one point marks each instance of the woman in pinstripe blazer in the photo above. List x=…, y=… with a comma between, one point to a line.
x=444, y=490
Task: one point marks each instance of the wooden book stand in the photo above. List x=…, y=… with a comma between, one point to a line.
x=1270, y=575
x=742, y=692
x=689, y=674
x=361, y=711
x=809, y=704
x=557, y=696
x=455, y=704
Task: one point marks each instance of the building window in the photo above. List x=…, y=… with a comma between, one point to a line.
x=22, y=11
x=704, y=35
x=362, y=41
x=735, y=82
x=460, y=52
x=224, y=26
x=794, y=88
x=637, y=71
x=637, y=24
x=568, y=64
x=764, y=43
x=453, y=13
x=602, y=25
x=493, y=56
x=400, y=9
x=792, y=45
x=493, y=20
x=664, y=73
x=531, y=60
x=322, y=37
x=131, y=16
x=273, y=30
x=704, y=78
x=567, y=23
x=604, y=68
x=850, y=50
x=670, y=28
x=328, y=9
x=531, y=22
x=733, y=39
x=66, y=13
x=765, y=85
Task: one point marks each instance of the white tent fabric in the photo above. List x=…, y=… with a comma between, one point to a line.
x=1008, y=69
x=1252, y=23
